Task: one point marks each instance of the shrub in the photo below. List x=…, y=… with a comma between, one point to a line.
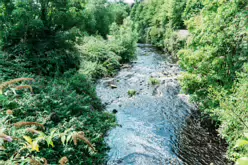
x=97, y=58
x=125, y=38
x=153, y=17
x=193, y=8
x=44, y=33
x=155, y=36
x=214, y=59
x=132, y=93
x=101, y=57
x=232, y=113
x=242, y=143
x=154, y=81
x=120, y=11
x=65, y=107
x=173, y=41
x=41, y=33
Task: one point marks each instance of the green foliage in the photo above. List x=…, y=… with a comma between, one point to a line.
x=214, y=59
x=50, y=38
x=213, y=56
x=174, y=41
x=43, y=33
x=125, y=38
x=65, y=104
x=98, y=57
x=101, y=57
x=174, y=12
x=132, y=93
x=242, y=161
x=153, y=16
x=232, y=112
x=120, y=11
x=193, y=8
x=154, y=81
x=242, y=143
x=98, y=15
x=11, y=68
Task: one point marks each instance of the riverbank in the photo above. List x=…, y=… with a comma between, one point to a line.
x=49, y=112
x=213, y=57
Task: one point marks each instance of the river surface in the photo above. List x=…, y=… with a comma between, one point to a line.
x=158, y=125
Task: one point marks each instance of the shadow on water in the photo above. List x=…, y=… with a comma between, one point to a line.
x=198, y=145
x=158, y=125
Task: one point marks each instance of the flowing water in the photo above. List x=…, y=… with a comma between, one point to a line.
x=158, y=125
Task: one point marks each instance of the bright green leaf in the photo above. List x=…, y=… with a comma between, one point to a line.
x=241, y=143
x=63, y=139
x=242, y=161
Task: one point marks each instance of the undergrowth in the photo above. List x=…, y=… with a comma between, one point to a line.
x=45, y=124
x=54, y=116
x=101, y=58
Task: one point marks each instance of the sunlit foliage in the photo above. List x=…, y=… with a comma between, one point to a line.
x=153, y=17
x=58, y=119
x=214, y=57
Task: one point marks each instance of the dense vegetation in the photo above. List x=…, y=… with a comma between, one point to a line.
x=53, y=116
x=214, y=57
x=156, y=22
x=215, y=60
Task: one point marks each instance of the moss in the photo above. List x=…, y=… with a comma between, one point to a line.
x=154, y=81
x=132, y=93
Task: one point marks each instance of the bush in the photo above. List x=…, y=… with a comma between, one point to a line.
x=42, y=34
x=65, y=107
x=155, y=36
x=174, y=41
x=193, y=8
x=101, y=57
x=97, y=58
x=214, y=59
x=120, y=11
x=153, y=17
x=58, y=119
x=126, y=39
x=232, y=113
x=154, y=81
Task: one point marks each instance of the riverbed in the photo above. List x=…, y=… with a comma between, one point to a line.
x=157, y=123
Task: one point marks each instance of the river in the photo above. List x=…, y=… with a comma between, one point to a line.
x=157, y=125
